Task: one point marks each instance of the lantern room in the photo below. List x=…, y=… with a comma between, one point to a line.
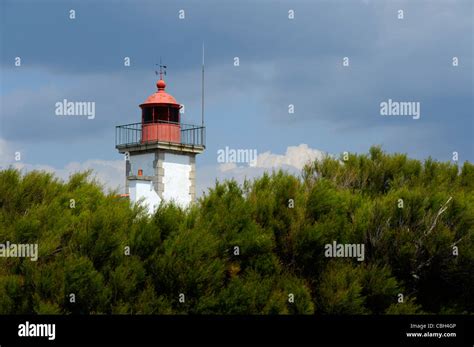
x=161, y=117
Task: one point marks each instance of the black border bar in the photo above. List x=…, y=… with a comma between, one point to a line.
x=222, y=330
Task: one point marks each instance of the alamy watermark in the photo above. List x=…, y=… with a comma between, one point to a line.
x=37, y=330
x=20, y=250
x=75, y=108
x=230, y=155
x=345, y=250
x=400, y=108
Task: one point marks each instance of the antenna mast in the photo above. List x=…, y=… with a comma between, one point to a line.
x=202, y=88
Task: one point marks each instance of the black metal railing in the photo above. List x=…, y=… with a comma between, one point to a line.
x=131, y=134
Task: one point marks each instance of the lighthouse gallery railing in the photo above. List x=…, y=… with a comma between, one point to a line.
x=131, y=134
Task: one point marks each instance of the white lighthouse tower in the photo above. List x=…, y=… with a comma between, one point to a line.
x=160, y=152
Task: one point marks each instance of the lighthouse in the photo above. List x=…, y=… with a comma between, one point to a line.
x=160, y=152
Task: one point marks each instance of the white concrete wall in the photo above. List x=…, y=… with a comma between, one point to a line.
x=176, y=179
x=143, y=191
x=144, y=162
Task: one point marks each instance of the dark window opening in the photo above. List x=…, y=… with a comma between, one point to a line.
x=174, y=115
x=147, y=115
x=161, y=114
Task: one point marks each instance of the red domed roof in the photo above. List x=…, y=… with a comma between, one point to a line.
x=160, y=97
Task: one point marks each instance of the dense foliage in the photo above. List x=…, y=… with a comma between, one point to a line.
x=409, y=243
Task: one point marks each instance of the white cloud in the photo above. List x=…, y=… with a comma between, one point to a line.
x=295, y=156
x=227, y=167
x=111, y=173
x=292, y=161
x=4, y=151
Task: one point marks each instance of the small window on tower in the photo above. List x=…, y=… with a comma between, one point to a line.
x=147, y=115
x=161, y=114
x=174, y=115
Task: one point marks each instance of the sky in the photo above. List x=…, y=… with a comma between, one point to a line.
x=282, y=61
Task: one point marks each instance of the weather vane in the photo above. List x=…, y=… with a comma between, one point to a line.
x=162, y=70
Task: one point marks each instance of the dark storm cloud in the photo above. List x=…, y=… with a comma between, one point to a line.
x=282, y=61
x=103, y=32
